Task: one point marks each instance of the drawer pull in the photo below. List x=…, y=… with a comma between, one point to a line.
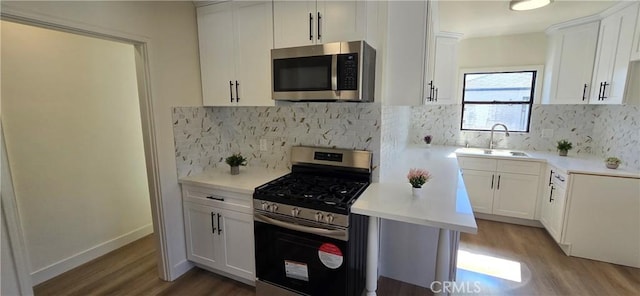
x=215, y=198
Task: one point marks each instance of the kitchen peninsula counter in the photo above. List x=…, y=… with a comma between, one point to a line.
x=442, y=211
x=443, y=203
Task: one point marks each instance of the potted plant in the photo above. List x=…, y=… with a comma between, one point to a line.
x=235, y=161
x=612, y=162
x=427, y=139
x=563, y=147
x=417, y=178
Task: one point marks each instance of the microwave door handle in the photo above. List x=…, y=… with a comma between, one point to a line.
x=334, y=72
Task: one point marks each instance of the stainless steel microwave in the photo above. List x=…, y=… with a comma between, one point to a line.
x=340, y=71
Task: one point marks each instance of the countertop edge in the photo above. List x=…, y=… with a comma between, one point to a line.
x=423, y=222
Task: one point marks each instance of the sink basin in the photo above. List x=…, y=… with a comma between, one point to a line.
x=495, y=152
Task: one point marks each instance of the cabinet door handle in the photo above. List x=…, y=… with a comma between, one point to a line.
x=584, y=92
x=215, y=198
x=219, y=226
x=237, y=93
x=492, y=177
x=498, y=187
x=551, y=194
x=436, y=98
x=310, y=26
x=213, y=225
x=550, y=176
x=319, y=18
x=231, y=90
x=604, y=89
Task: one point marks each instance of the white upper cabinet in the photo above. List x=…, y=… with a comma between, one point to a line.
x=570, y=59
x=235, y=42
x=299, y=23
x=294, y=23
x=615, y=42
x=635, y=52
x=404, y=66
x=440, y=87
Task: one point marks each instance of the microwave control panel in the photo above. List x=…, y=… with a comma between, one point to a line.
x=347, y=71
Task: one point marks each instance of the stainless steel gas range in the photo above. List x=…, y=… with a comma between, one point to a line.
x=307, y=240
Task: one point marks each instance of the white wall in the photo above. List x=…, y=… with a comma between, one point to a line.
x=74, y=140
x=503, y=51
x=171, y=31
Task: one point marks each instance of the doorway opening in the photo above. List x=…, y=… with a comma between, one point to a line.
x=80, y=144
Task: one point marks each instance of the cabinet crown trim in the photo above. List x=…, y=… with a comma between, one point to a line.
x=572, y=23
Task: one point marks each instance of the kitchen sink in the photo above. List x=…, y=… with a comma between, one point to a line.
x=494, y=152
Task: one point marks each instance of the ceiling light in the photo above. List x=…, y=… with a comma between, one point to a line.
x=528, y=4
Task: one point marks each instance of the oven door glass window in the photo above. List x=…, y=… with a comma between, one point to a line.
x=302, y=262
x=302, y=74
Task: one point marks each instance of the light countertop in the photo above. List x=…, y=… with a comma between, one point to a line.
x=246, y=182
x=572, y=164
x=444, y=202
x=584, y=164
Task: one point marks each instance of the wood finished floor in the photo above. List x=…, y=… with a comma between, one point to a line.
x=131, y=270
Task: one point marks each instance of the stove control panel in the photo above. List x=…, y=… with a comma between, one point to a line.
x=301, y=213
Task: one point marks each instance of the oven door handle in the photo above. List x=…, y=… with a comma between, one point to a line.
x=333, y=233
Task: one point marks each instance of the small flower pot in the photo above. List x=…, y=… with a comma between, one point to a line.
x=612, y=165
x=416, y=192
x=563, y=152
x=235, y=170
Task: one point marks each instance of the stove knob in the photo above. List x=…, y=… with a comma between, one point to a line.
x=273, y=207
x=265, y=206
x=295, y=212
x=318, y=216
x=329, y=218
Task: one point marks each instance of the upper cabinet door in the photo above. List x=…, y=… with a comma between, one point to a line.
x=340, y=21
x=217, y=65
x=635, y=52
x=445, y=70
x=613, y=55
x=404, y=65
x=254, y=41
x=570, y=64
x=295, y=23
x=299, y=23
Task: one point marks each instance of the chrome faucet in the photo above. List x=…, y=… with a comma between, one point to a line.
x=506, y=133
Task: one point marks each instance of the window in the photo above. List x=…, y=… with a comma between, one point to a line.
x=498, y=97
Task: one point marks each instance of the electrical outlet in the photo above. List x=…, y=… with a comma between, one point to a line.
x=263, y=144
x=547, y=133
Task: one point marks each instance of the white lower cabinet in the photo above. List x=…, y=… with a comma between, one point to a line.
x=219, y=232
x=479, y=189
x=515, y=195
x=501, y=187
x=553, y=202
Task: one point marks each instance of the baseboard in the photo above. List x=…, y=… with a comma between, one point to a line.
x=511, y=220
x=78, y=259
x=179, y=269
x=228, y=275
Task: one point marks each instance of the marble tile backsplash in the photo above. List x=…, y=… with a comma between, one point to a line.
x=572, y=122
x=616, y=132
x=394, y=134
x=206, y=135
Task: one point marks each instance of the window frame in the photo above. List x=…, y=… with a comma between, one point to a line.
x=536, y=90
